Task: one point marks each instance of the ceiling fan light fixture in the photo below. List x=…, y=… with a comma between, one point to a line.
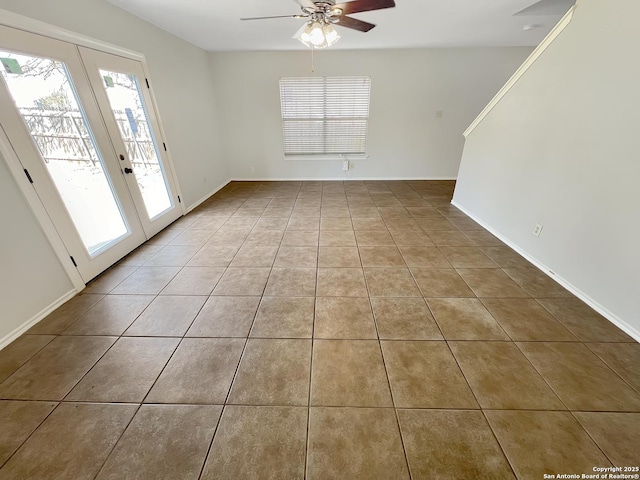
x=317, y=34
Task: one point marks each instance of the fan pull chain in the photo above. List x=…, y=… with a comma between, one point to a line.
x=313, y=66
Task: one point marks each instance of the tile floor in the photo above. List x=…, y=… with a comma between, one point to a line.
x=320, y=330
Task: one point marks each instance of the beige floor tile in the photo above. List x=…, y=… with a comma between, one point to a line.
x=273, y=372
x=291, y=282
x=304, y=223
x=344, y=317
x=432, y=224
x=108, y=280
x=242, y=281
x=127, y=372
x=65, y=315
x=258, y=443
x=418, y=256
x=77, y=439
x=422, y=211
x=284, y=317
x=404, y=319
x=167, y=316
x=193, y=237
x=265, y=237
x=467, y=257
x=336, y=223
x=581, y=380
x=505, y=257
x=53, y=371
x=271, y=223
x=306, y=211
x=368, y=223
x=213, y=256
x=337, y=238
x=451, y=444
x=140, y=255
x=225, y=317
x=163, y=441
x=194, y=281
x=623, y=358
x=411, y=238
x=441, y=283
x=391, y=282
x=393, y=213
x=402, y=223
x=539, y=443
x=491, y=283
x=425, y=375
x=146, y=281
x=381, y=257
x=297, y=257
x=339, y=257
x=254, y=256
x=111, y=316
x=465, y=319
x=349, y=373
x=228, y=237
x=173, y=256
x=341, y=282
x=584, y=322
x=355, y=443
x=525, y=320
x=280, y=212
x=18, y=420
x=242, y=222
x=482, y=238
x=617, y=434
x=536, y=283
x=301, y=238
x=374, y=238
x=200, y=372
x=18, y=352
x=501, y=377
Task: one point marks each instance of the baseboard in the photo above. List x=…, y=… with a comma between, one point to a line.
x=617, y=321
x=7, y=339
x=342, y=179
x=207, y=196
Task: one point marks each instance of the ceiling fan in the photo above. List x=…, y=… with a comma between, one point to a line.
x=318, y=31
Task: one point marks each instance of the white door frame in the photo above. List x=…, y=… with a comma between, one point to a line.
x=14, y=20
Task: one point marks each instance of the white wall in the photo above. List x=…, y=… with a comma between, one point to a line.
x=561, y=149
x=31, y=278
x=406, y=140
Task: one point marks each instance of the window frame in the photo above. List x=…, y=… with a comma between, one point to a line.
x=329, y=101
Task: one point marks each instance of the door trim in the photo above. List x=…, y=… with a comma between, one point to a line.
x=42, y=217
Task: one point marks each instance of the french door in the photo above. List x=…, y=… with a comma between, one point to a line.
x=82, y=125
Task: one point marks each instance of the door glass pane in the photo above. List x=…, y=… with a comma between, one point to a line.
x=127, y=104
x=46, y=99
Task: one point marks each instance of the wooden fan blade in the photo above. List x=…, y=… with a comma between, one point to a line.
x=354, y=23
x=363, y=6
x=278, y=16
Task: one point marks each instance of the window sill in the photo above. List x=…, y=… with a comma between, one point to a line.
x=324, y=158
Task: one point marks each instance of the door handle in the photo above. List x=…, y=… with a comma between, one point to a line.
x=128, y=170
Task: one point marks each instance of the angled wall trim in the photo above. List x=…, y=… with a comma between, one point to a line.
x=548, y=40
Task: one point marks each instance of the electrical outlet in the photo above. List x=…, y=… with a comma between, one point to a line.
x=345, y=165
x=537, y=230
x=253, y=170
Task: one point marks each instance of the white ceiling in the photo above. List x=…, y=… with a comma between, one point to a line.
x=215, y=24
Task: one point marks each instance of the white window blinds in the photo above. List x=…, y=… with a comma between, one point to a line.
x=325, y=115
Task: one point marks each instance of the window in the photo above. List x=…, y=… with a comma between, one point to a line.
x=325, y=116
